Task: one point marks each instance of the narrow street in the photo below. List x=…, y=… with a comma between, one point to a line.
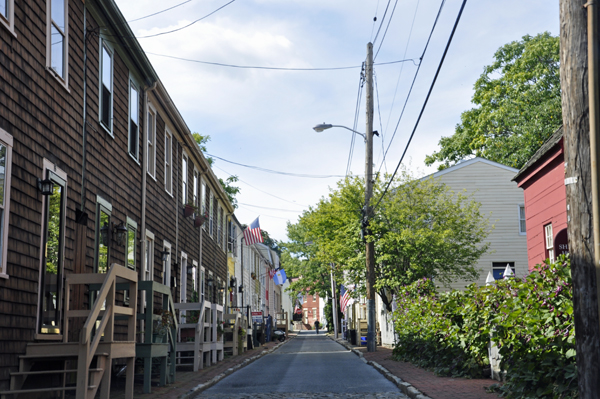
x=308, y=366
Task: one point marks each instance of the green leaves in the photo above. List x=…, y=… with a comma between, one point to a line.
x=518, y=106
x=530, y=321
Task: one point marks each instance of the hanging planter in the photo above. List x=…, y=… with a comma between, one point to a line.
x=199, y=221
x=188, y=210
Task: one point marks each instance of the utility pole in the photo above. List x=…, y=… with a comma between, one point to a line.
x=579, y=84
x=370, y=247
x=334, y=304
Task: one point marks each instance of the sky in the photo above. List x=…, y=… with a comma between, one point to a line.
x=263, y=117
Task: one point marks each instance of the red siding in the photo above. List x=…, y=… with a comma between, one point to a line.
x=545, y=202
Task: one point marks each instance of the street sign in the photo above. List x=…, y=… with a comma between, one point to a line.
x=257, y=317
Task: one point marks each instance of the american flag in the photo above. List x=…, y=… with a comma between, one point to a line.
x=252, y=233
x=345, y=298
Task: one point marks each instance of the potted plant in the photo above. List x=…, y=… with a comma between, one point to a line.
x=189, y=209
x=162, y=326
x=199, y=220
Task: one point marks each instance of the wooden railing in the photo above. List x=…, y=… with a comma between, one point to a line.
x=95, y=330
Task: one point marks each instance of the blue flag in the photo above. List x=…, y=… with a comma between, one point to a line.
x=279, y=278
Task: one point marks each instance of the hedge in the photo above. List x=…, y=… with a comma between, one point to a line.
x=530, y=320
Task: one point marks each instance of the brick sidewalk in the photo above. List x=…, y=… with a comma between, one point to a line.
x=187, y=380
x=427, y=382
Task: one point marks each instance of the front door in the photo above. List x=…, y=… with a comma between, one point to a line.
x=51, y=273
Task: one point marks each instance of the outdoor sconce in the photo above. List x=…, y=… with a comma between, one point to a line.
x=46, y=187
x=165, y=255
x=104, y=234
x=120, y=232
x=241, y=289
x=221, y=289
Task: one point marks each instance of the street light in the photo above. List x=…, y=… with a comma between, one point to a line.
x=324, y=126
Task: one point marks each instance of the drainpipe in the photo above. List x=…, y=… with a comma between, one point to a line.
x=84, y=134
x=594, y=103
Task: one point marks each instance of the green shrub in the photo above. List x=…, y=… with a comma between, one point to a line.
x=530, y=320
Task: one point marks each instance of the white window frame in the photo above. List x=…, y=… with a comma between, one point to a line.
x=219, y=226
x=549, y=241
x=211, y=214
x=168, y=161
x=131, y=225
x=522, y=219
x=194, y=276
x=166, y=273
x=149, y=257
x=184, y=178
x=183, y=278
x=151, y=140
x=134, y=149
x=105, y=46
x=195, y=197
x=202, y=282
x=203, y=200
x=7, y=140
x=64, y=80
x=8, y=20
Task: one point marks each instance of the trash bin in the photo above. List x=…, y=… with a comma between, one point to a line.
x=352, y=337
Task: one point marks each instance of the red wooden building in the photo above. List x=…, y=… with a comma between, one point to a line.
x=542, y=179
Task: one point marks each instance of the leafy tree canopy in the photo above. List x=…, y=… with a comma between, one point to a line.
x=518, y=106
x=227, y=184
x=420, y=229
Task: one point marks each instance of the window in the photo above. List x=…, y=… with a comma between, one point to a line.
x=549, y=242
x=149, y=257
x=168, y=162
x=184, y=179
x=151, y=141
x=183, y=274
x=6, y=144
x=211, y=214
x=498, y=269
x=131, y=240
x=224, y=230
x=7, y=14
x=219, y=214
x=195, y=190
x=522, y=226
x=194, y=279
x=53, y=247
x=166, y=274
x=102, y=248
x=202, y=273
x=57, y=37
x=134, y=116
x=106, y=86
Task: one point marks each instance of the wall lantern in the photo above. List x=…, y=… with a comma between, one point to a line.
x=120, y=232
x=241, y=288
x=165, y=255
x=46, y=187
x=104, y=234
x=221, y=289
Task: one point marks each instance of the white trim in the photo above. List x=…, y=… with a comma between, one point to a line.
x=468, y=163
x=134, y=85
x=183, y=278
x=151, y=152
x=168, y=133
x=105, y=44
x=64, y=80
x=8, y=140
x=9, y=21
x=149, y=262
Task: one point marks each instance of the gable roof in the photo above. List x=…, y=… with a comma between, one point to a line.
x=470, y=162
x=547, y=146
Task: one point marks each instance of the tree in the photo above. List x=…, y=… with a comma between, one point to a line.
x=227, y=184
x=518, y=101
x=420, y=229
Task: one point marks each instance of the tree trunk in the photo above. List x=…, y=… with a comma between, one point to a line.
x=575, y=110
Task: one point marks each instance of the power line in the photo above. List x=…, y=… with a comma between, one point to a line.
x=386, y=29
x=275, y=171
x=272, y=209
x=159, y=12
x=425, y=102
x=188, y=25
x=356, y=111
x=413, y=82
x=382, y=20
x=278, y=68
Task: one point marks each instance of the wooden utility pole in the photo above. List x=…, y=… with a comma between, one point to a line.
x=578, y=179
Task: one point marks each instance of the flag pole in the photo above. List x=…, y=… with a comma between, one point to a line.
x=333, y=304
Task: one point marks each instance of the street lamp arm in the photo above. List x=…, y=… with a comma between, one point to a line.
x=323, y=126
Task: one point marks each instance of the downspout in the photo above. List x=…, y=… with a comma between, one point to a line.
x=144, y=180
x=79, y=217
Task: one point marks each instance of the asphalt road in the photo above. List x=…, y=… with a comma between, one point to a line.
x=308, y=364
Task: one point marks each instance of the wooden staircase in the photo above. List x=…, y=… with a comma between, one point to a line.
x=50, y=369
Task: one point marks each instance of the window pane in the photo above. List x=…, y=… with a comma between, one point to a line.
x=106, y=69
x=131, y=248
x=133, y=110
x=2, y=173
x=58, y=14
x=133, y=139
x=105, y=112
x=103, y=242
x=4, y=8
x=57, y=51
x=184, y=180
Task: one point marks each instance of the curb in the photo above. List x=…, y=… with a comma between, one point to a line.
x=204, y=386
x=405, y=387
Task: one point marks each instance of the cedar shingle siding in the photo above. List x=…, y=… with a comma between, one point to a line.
x=45, y=119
